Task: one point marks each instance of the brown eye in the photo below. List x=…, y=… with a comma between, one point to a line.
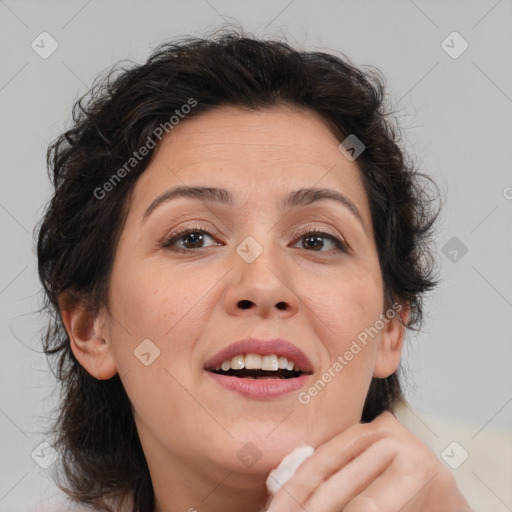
x=314, y=241
x=190, y=238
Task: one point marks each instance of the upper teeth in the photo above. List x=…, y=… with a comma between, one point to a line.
x=256, y=362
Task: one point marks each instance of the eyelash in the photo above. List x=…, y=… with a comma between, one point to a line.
x=310, y=230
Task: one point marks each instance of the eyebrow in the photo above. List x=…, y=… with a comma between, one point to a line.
x=300, y=197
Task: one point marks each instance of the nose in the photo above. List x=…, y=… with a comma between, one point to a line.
x=263, y=287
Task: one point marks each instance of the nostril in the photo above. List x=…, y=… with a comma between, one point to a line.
x=281, y=305
x=245, y=304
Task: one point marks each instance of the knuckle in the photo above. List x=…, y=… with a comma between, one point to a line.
x=363, y=504
x=445, y=477
x=386, y=446
x=386, y=418
x=419, y=463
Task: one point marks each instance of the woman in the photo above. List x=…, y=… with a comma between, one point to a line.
x=234, y=250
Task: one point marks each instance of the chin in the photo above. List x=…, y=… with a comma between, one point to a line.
x=259, y=453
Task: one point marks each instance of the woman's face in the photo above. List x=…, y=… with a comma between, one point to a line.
x=191, y=299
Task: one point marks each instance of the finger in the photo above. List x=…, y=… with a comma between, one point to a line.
x=328, y=459
x=393, y=490
x=353, y=479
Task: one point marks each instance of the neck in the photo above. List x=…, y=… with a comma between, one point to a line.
x=190, y=490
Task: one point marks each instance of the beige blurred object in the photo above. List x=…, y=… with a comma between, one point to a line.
x=479, y=455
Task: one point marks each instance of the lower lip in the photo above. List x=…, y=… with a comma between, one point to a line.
x=259, y=388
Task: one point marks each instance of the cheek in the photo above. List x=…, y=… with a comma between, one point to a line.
x=346, y=307
x=162, y=303
x=168, y=307
x=348, y=302
x=151, y=297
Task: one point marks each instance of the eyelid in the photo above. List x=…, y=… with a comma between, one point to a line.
x=323, y=229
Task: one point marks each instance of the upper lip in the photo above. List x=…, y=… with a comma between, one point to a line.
x=275, y=346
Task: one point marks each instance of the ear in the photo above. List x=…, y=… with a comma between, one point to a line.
x=390, y=345
x=88, y=337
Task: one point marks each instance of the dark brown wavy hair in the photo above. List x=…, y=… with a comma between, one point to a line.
x=94, y=430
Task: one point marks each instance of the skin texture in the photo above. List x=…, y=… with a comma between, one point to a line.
x=188, y=304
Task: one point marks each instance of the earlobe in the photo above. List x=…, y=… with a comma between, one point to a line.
x=390, y=345
x=88, y=337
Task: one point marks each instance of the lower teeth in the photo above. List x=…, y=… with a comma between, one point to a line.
x=264, y=378
x=261, y=375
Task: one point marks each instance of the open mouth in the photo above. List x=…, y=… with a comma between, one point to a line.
x=258, y=369
x=255, y=366
x=259, y=374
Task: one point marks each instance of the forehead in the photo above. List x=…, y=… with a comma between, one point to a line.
x=254, y=153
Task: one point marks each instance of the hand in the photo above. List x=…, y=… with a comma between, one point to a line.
x=372, y=467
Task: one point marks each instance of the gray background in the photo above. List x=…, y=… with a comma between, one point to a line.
x=456, y=118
